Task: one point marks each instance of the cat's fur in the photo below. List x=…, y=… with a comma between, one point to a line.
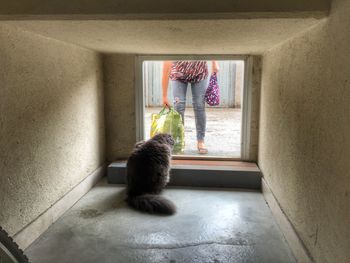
x=148, y=170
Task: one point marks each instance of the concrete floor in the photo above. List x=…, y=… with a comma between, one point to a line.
x=223, y=134
x=210, y=226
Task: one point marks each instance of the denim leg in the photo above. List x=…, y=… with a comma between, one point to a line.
x=198, y=101
x=179, y=95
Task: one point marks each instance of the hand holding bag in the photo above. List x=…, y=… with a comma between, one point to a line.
x=212, y=94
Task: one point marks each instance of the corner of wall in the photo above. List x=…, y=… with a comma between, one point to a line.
x=120, y=108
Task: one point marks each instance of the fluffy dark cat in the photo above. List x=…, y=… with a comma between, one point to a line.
x=148, y=170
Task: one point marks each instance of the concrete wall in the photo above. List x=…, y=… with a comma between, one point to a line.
x=253, y=119
x=51, y=122
x=304, y=133
x=119, y=83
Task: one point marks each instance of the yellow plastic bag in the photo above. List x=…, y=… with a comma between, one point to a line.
x=169, y=122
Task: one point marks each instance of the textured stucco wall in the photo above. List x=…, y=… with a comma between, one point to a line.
x=119, y=85
x=51, y=122
x=304, y=133
x=254, y=83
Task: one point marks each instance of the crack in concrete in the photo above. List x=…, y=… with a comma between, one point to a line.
x=316, y=236
x=225, y=243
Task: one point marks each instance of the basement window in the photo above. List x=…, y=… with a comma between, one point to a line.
x=224, y=122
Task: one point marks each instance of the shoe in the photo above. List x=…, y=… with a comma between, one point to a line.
x=202, y=150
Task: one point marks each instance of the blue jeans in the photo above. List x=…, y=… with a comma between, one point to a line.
x=198, y=92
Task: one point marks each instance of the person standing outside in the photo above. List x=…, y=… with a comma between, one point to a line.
x=182, y=73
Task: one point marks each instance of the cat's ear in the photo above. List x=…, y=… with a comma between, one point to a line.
x=170, y=139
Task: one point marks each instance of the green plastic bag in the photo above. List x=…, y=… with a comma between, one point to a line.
x=170, y=122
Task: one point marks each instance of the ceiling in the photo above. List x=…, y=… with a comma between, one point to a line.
x=162, y=27
x=223, y=36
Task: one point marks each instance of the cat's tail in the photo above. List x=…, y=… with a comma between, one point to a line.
x=153, y=204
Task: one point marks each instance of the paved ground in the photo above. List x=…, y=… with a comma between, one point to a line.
x=223, y=136
x=210, y=226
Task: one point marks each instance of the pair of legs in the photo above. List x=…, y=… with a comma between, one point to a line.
x=198, y=92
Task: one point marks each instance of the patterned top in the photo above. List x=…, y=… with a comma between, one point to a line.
x=189, y=71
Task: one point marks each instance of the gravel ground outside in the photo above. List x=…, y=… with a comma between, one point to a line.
x=223, y=135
